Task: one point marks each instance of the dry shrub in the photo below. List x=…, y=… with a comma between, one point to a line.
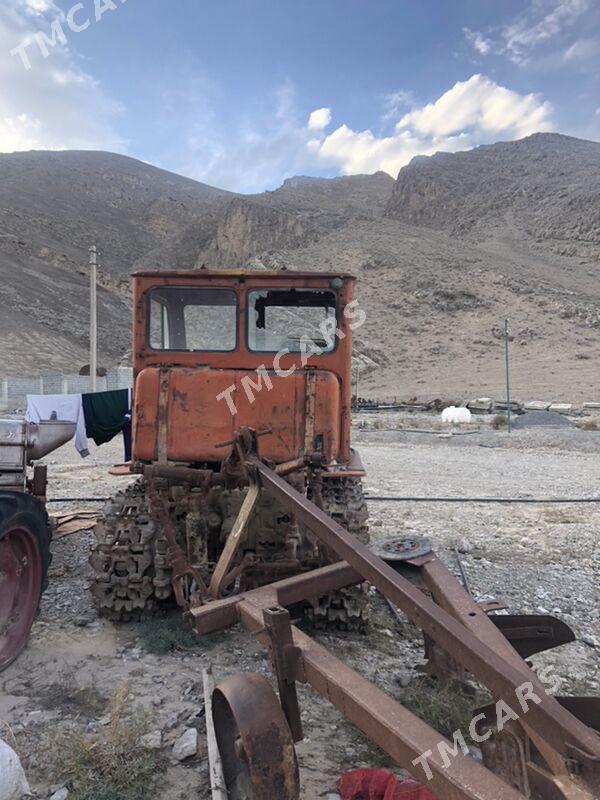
x=499, y=422
x=588, y=425
x=166, y=634
x=110, y=764
x=446, y=706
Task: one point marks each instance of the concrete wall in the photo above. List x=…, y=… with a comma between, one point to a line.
x=13, y=391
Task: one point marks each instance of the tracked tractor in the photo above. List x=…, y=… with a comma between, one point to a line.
x=249, y=508
x=214, y=353
x=25, y=532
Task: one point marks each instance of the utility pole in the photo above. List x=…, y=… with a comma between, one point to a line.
x=506, y=365
x=93, y=318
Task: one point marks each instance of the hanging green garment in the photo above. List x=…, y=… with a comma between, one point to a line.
x=105, y=414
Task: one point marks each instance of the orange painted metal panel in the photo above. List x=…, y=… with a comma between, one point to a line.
x=196, y=421
x=243, y=361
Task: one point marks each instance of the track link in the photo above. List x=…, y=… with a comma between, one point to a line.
x=128, y=559
x=348, y=609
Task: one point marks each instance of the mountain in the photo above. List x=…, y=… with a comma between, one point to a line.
x=544, y=189
x=443, y=254
x=53, y=206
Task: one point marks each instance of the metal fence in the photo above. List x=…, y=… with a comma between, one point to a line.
x=14, y=391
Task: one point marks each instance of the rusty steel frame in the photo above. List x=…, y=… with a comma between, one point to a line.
x=549, y=719
x=395, y=729
x=452, y=620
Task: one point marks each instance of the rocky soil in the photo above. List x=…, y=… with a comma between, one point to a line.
x=536, y=558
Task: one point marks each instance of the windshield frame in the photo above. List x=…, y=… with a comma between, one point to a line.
x=151, y=297
x=300, y=290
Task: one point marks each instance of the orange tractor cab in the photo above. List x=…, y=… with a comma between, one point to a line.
x=215, y=352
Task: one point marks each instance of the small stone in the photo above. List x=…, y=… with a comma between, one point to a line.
x=404, y=679
x=151, y=741
x=61, y=794
x=464, y=546
x=187, y=745
x=590, y=640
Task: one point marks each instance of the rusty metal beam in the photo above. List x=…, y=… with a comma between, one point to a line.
x=451, y=597
x=549, y=719
x=287, y=665
x=222, y=614
x=219, y=579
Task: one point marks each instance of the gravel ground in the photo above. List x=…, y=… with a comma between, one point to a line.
x=536, y=558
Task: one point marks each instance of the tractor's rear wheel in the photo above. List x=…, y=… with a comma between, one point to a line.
x=25, y=537
x=255, y=742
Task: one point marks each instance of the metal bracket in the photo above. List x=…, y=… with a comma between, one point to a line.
x=287, y=664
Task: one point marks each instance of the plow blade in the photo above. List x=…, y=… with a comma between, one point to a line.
x=532, y=633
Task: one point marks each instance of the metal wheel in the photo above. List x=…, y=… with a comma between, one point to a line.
x=20, y=589
x=256, y=746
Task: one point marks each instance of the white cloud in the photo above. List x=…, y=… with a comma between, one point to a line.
x=472, y=112
x=543, y=22
x=394, y=102
x=55, y=105
x=581, y=50
x=258, y=154
x=319, y=119
x=480, y=44
x=534, y=29
x=479, y=104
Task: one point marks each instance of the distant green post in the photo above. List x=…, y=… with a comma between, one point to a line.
x=506, y=363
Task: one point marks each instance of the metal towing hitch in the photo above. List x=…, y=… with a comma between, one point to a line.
x=545, y=747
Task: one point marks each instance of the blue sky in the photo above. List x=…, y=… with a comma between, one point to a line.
x=244, y=93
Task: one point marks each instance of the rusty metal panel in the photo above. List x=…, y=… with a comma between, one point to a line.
x=196, y=422
x=336, y=363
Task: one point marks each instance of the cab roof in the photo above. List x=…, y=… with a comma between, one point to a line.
x=281, y=274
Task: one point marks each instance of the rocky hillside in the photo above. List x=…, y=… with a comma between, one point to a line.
x=443, y=255
x=545, y=188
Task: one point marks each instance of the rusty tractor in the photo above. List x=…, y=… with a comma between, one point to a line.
x=249, y=504
x=215, y=351
x=25, y=532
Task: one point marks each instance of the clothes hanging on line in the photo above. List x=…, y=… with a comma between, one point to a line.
x=64, y=407
x=106, y=414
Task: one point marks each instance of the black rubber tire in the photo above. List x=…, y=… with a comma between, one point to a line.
x=18, y=509
x=23, y=509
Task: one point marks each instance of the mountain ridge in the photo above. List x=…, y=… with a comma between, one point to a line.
x=457, y=242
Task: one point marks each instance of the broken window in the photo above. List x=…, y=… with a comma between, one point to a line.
x=193, y=319
x=291, y=319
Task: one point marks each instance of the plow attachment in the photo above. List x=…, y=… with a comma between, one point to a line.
x=534, y=745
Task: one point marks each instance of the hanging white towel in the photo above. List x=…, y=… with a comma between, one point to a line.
x=66, y=407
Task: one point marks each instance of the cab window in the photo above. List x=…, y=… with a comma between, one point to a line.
x=189, y=319
x=291, y=319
